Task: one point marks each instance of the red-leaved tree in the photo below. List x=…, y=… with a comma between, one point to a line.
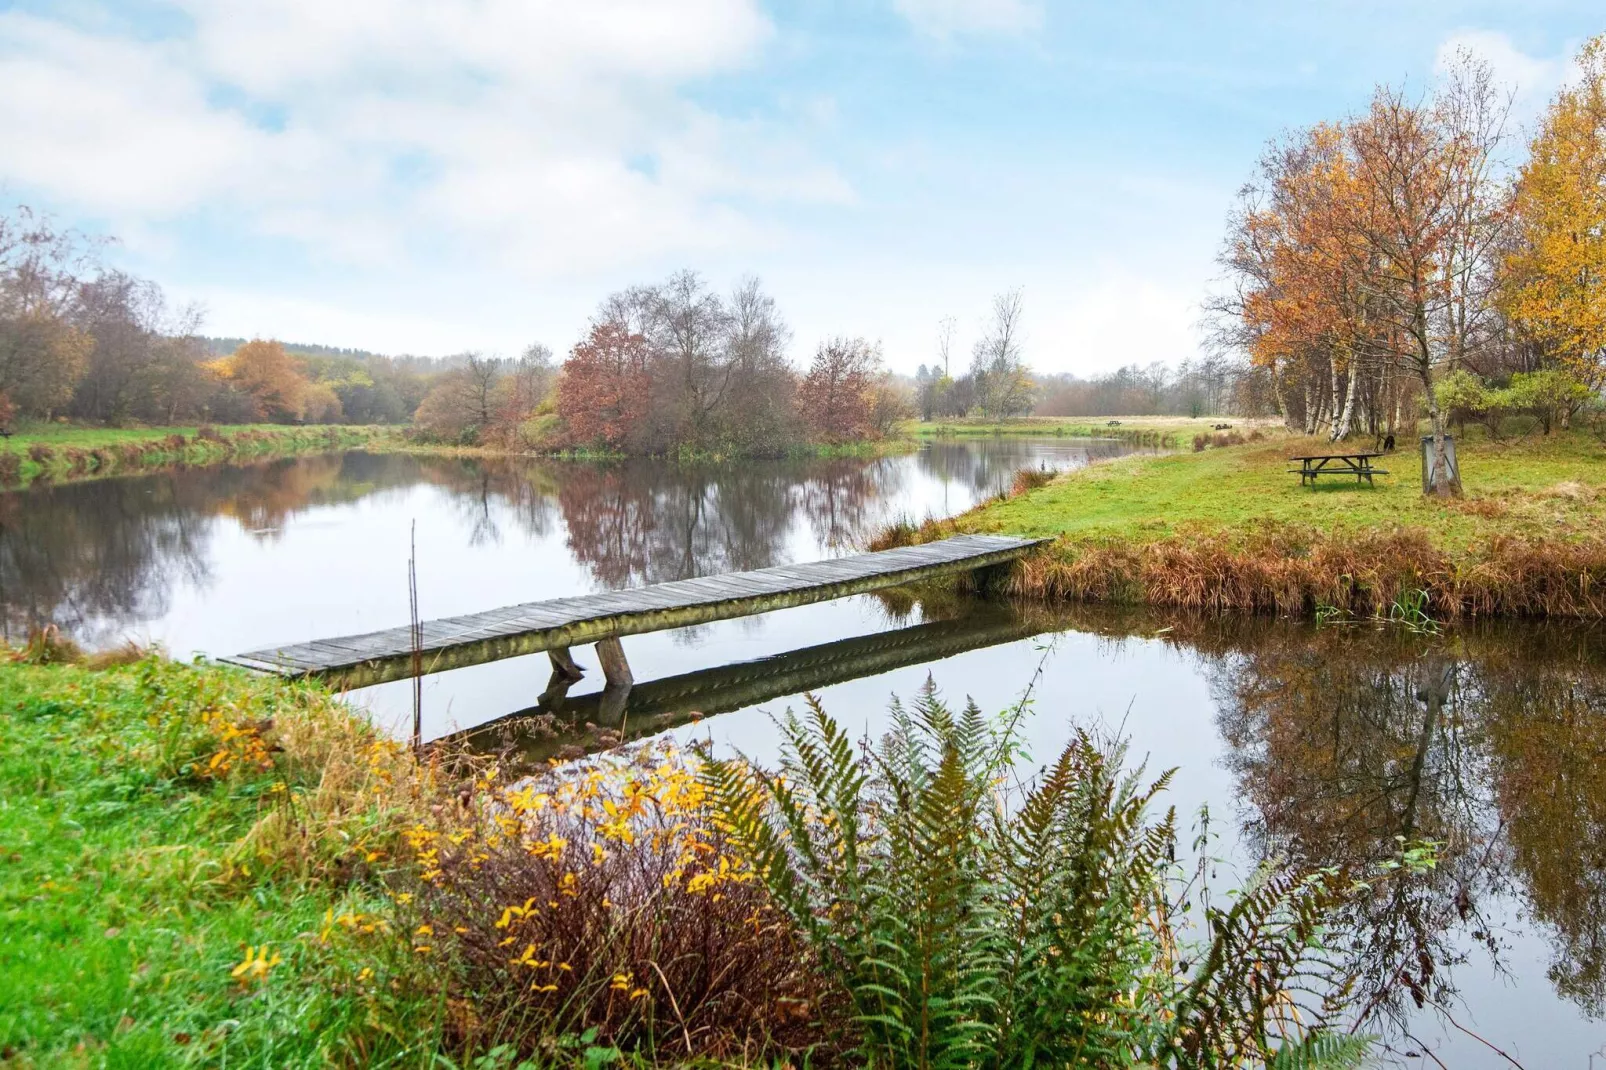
x=606, y=387
x=837, y=397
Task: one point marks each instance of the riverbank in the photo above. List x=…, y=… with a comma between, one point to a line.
x=1230, y=529
x=69, y=452
x=1164, y=431
x=202, y=866
x=65, y=453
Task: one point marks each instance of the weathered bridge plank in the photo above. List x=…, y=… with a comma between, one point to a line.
x=456, y=642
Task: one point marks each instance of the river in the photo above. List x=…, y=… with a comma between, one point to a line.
x=1321, y=744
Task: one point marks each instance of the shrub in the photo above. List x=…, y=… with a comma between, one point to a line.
x=10, y=468
x=175, y=443
x=605, y=901
x=207, y=433
x=48, y=646
x=974, y=930
x=1029, y=479
x=40, y=453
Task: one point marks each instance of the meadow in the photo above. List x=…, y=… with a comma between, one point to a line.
x=1229, y=527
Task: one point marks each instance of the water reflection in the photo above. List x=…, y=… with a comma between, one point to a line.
x=1346, y=743
x=104, y=558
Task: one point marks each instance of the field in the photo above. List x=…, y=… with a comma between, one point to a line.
x=1177, y=429
x=1232, y=528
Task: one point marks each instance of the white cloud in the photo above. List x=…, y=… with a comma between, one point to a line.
x=551, y=136
x=944, y=19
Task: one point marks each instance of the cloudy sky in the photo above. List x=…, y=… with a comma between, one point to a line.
x=436, y=176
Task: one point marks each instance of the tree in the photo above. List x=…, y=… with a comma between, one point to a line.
x=272, y=379
x=42, y=353
x=1429, y=212
x=757, y=413
x=605, y=388
x=1003, y=384
x=836, y=397
x=1554, y=272
x=461, y=406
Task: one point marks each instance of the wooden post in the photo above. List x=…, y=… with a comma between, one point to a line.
x=615, y=669
x=563, y=662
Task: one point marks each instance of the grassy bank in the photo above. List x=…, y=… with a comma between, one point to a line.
x=174, y=842
x=1144, y=430
x=1231, y=528
x=66, y=452
x=202, y=867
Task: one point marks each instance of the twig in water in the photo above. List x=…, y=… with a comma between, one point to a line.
x=416, y=633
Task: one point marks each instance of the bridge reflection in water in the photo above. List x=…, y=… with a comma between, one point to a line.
x=563, y=725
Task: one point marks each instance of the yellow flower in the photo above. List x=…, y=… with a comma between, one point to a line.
x=256, y=965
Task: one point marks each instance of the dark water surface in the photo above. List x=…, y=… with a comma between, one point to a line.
x=1324, y=745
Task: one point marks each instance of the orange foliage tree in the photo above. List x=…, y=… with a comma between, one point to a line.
x=1555, y=272
x=275, y=382
x=606, y=388
x=837, y=397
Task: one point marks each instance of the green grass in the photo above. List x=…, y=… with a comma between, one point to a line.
x=1175, y=428
x=70, y=452
x=1538, y=486
x=129, y=892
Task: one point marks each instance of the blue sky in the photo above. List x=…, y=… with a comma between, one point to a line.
x=479, y=173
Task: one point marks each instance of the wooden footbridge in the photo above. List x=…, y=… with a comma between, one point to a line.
x=560, y=623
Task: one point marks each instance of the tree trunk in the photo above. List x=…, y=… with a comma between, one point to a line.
x=1342, y=424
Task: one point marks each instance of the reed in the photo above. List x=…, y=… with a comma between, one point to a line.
x=1297, y=570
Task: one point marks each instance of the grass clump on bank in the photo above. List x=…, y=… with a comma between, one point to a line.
x=1230, y=528
x=174, y=839
x=199, y=867
x=71, y=452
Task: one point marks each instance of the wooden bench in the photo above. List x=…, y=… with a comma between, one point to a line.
x=1358, y=465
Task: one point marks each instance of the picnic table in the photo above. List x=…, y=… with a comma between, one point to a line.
x=1358, y=465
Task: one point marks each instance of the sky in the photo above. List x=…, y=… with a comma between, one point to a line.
x=478, y=174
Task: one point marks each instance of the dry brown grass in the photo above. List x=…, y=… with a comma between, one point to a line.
x=1296, y=571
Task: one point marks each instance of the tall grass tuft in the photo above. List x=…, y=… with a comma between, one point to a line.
x=973, y=926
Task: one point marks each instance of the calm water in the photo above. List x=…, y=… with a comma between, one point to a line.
x=1320, y=744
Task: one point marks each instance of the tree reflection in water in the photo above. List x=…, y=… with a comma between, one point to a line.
x=99, y=558
x=1347, y=742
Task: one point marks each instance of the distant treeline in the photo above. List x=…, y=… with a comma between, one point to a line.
x=1212, y=385
x=83, y=341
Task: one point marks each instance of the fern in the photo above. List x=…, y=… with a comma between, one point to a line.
x=972, y=927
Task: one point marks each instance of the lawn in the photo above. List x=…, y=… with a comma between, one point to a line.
x=1537, y=486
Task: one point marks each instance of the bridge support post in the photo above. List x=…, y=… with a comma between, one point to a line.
x=563, y=663
x=615, y=669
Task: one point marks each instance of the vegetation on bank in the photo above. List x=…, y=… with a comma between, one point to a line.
x=66, y=451
x=1142, y=430
x=1231, y=528
x=204, y=867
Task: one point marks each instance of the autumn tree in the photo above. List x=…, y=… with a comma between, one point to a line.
x=1554, y=272
x=272, y=379
x=462, y=405
x=605, y=388
x=42, y=352
x=836, y=397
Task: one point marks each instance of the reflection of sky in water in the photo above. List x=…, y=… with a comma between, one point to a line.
x=204, y=562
